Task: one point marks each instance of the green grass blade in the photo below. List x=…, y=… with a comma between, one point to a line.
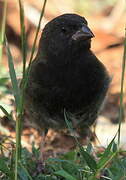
x=13, y=77
x=16, y=92
x=38, y=28
x=24, y=53
x=107, y=156
x=23, y=171
x=2, y=32
x=4, y=168
x=65, y=174
x=23, y=36
x=89, y=159
x=121, y=91
x=5, y=112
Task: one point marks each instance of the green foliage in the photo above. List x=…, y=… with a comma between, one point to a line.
x=2, y=30
x=65, y=167
x=5, y=169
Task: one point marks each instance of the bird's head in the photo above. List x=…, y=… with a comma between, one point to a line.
x=67, y=33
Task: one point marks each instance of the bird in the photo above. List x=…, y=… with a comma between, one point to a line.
x=65, y=75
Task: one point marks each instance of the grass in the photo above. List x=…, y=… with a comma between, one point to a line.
x=122, y=88
x=80, y=164
x=2, y=31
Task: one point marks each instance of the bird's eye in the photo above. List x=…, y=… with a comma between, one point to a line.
x=64, y=30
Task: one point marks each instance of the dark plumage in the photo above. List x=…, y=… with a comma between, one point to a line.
x=65, y=75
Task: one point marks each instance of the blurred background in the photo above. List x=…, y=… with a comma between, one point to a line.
x=107, y=21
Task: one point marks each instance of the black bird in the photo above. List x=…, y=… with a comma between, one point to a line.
x=65, y=75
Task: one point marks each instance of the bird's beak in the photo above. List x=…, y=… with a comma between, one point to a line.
x=83, y=33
